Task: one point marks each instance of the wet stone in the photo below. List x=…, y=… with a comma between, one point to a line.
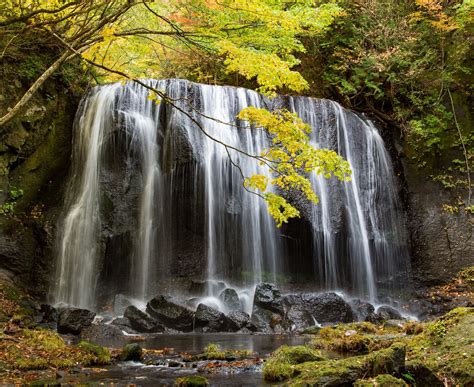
x=141, y=322
x=230, y=298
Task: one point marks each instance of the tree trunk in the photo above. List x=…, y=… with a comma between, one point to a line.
x=34, y=87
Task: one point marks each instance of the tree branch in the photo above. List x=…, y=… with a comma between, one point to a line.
x=33, y=88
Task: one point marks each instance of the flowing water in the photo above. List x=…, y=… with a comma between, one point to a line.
x=153, y=200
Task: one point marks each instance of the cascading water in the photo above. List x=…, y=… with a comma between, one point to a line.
x=365, y=211
x=153, y=201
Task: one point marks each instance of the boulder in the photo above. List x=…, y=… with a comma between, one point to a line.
x=209, y=319
x=123, y=323
x=297, y=318
x=230, y=298
x=374, y=318
x=131, y=352
x=328, y=307
x=268, y=296
x=361, y=308
x=237, y=320
x=345, y=372
x=261, y=319
x=142, y=322
x=74, y=320
x=170, y=314
x=421, y=372
x=389, y=313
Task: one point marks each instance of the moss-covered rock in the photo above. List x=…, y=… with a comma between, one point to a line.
x=355, y=338
x=347, y=371
x=95, y=354
x=191, y=381
x=445, y=346
x=381, y=381
x=437, y=350
x=281, y=364
x=33, y=349
x=131, y=352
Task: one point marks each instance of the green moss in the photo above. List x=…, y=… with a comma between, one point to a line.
x=384, y=380
x=45, y=383
x=386, y=361
x=191, y=381
x=38, y=349
x=132, y=352
x=467, y=275
x=214, y=352
x=331, y=372
x=413, y=328
x=445, y=346
x=358, y=338
x=280, y=364
x=95, y=354
x=43, y=339
x=346, y=371
x=10, y=293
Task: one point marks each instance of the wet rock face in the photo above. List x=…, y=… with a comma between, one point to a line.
x=74, y=320
x=34, y=157
x=141, y=322
x=268, y=296
x=170, y=314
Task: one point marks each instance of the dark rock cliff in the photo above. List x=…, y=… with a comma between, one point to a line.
x=35, y=151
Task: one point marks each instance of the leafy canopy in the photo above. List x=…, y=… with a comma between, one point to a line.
x=258, y=40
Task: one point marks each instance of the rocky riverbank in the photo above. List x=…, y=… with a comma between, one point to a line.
x=353, y=342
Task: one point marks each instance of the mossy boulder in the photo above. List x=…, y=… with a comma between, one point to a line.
x=97, y=355
x=355, y=338
x=381, y=381
x=445, y=347
x=281, y=364
x=36, y=349
x=131, y=352
x=348, y=371
x=191, y=381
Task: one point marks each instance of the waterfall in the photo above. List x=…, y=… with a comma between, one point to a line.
x=153, y=201
x=365, y=210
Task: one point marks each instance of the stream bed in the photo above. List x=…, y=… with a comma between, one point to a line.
x=169, y=365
